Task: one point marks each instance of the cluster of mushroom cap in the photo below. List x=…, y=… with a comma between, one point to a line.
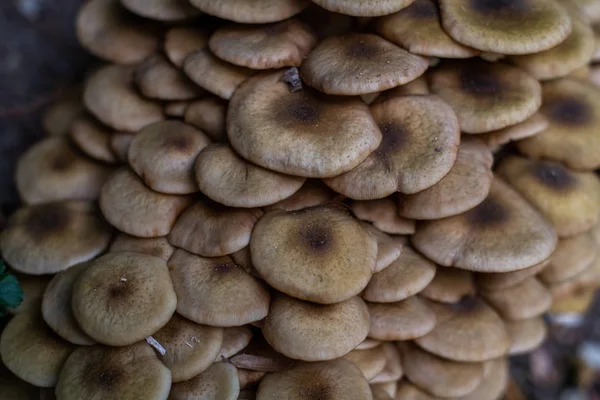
x=303, y=203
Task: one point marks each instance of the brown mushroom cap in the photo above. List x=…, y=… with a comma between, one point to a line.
x=486, y=96
x=283, y=44
x=418, y=29
x=56, y=306
x=123, y=297
x=588, y=278
x=162, y=10
x=50, y=237
x=32, y=351
x=208, y=114
x=370, y=361
x=363, y=8
x=52, y=170
x=494, y=383
x=393, y=370
x=227, y=178
x=465, y=186
x=216, y=291
x=220, y=381
x=525, y=300
x=418, y=86
x=235, y=339
x=383, y=214
x=313, y=193
x=468, y=331
x=57, y=117
x=572, y=107
x=92, y=138
x=408, y=391
x=182, y=41
x=133, y=208
x=404, y=320
x=109, y=95
x=334, y=65
x=248, y=378
x=531, y=126
x=526, y=334
x=319, y=254
x=572, y=256
x=449, y=285
x=106, y=372
x=260, y=356
x=440, y=377
x=253, y=11
x=574, y=304
x=388, y=248
x=503, y=280
x=300, y=133
x=419, y=147
x=506, y=27
x=157, y=247
x=502, y=234
x=569, y=199
x=313, y=332
x=156, y=78
x=108, y=31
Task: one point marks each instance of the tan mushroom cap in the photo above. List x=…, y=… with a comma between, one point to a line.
x=526, y=334
x=53, y=170
x=419, y=147
x=225, y=177
x=210, y=229
x=530, y=127
x=486, y=96
x=503, y=280
x=156, y=78
x=216, y=291
x=213, y=74
x=415, y=87
x=569, y=199
x=284, y=44
x=408, y=391
x=363, y=8
x=572, y=107
x=119, y=144
x=106, y=372
x=157, y=247
x=56, y=306
x=588, y=278
x=393, y=369
x=162, y=10
x=183, y=41
x=106, y=30
x=494, y=383
x=468, y=331
x=388, y=248
x=370, y=361
x=572, y=256
x=50, y=237
x=368, y=343
x=190, y=348
x=506, y=27
x=409, y=274
x=260, y=356
x=440, y=377
x=235, y=339
x=220, y=381
x=464, y=187
x=449, y=285
x=502, y=234
x=404, y=320
x=300, y=133
x=123, y=297
x=525, y=300
x=383, y=214
x=313, y=193
x=576, y=303
x=320, y=254
x=334, y=65
x=133, y=208
x=253, y=11
x=57, y=117
x=418, y=29
x=314, y=332
x=335, y=379
x=209, y=115
x=109, y=95
x=92, y=138
x=32, y=351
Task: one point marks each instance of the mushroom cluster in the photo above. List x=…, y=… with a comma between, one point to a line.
x=286, y=199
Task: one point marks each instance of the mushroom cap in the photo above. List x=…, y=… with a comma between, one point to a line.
x=314, y=332
x=526, y=334
x=123, y=297
x=531, y=126
x=313, y=193
x=248, y=378
x=227, y=178
x=393, y=370
x=388, y=248
x=383, y=214
x=572, y=256
x=419, y=147
x=574, y=304
x=418, y=29
x=568, y=199
x=107, y=30
x=503, y=280
x=209, y=115
x=320, y=254
x=588, y=278
x=468, y=331
x=182, y=41
x=107, y=372
x=404, y=320
x=525, y=300
x=157, y=78
x=92, y=138
x=162, y=10
x=119, y=144
x=300, y=133
x=440, y=377
x=32, y=351
x=215, y=291
x=190, y=348
x=210, y=229
x=502, y=234
x=57, y=117
x=260, y=356
x=380, y=393
x=494, y=383
x=335, y=63
x=449, y=285
x=163, y=155
x=417, y=86
x=367, y=8
x=52, y=170
x=486, y=96
x=409, y=274
x=133, y=208
x=335, y=379
x=157, y=247
x=408, y=391
x=464, y=187
x=370, y=361
x=176, y=109
x=49, y=238
x=235, y=339
x=253, y=11
x=109, y=95
x=284, y=44
x=56, y=306
x=506, y=27
x=572, y=107
x=220, y=381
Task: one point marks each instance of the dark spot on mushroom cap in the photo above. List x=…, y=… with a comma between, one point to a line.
x=478, y=81
x=102, y=376
x=62, y=162
x=316, y=237
x=223, y=268
x=317, y=391
x=568, y=110
x=179, y=142
x=45, y=220
x=361, y=50
x=489, y=213
x=394, y=138
x=466, y=303
x=553, y=175
x=302, y=109
x=120, y=291
x=423, y=9
x=498, y=6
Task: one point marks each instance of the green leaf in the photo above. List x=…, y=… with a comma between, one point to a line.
x=11, y=294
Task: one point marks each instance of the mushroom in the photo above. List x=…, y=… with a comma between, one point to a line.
x=157, y=247
x=235, y=339
x=383, y=214
x=57, y=117
x=572, y=256
x=176, y=109
x=119, y=144
x=449, y=285
x=219, y=381
x=527, y=299
x=494, y=383
x=183, y=41
x=260, y=356
x=503, y=280
x=404, y=320
x=588, y=278
x=92, y=138
x=208, y=115
x=364, y=8
x=249, y=378
x=388, y=248
x=162, y=10
x=312, y=193
x=370, y=361
x=526, y=334
x=252, y=12
x=156, y=78
x=368, y=343
x=533, y=125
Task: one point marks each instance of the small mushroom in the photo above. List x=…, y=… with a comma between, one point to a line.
x=260, y=356
x=393, y=369
x=408, y=391
x=180, y=42
x=208, y=115
x=494, y=383
x=415, y=87
x=370, y=361
x=404, y=320
x=588, y=278
x=383, y=214
x=527, y=299
x=368, y=343
x=57, y=117
x=449, y=285
x=235, y=339
x=219, y=381
x=252, y=12
x=162, y=10
x=157, y=247
x=156, y=78
x=92, y=138
x=388, y=248
x=503, y=280
x=533, y=125
x=363, y=8
x=572, y=256
x=573, y=306
x=526, y=334
x=313, y=193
